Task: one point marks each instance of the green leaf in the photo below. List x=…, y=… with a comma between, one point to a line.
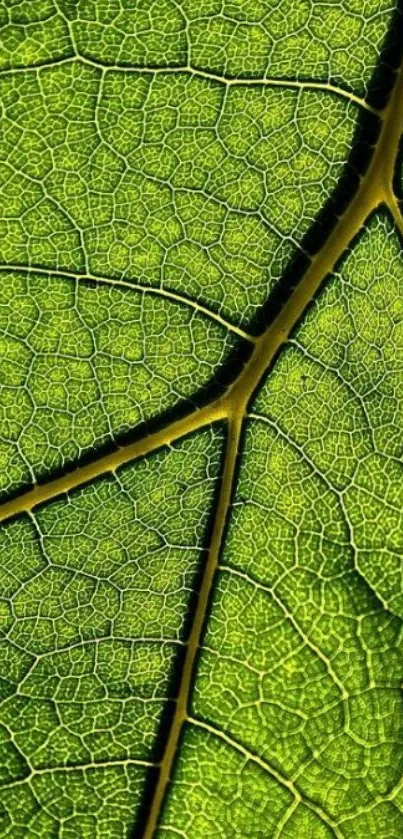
x=94, y=595
x=298, y=686
x=84, y=362
x=201, y=412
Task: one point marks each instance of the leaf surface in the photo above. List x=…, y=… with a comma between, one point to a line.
x=300, y=669
x=201, y=404
x=94, y=598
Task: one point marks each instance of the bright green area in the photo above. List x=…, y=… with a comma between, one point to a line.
x=338, y=394
x=165, y=179
x=244, y=799
x=94, y=591
x=90, y=803
x=83, y=363
x=302, y=663
x=32, y=32
x=338, y=41
x=304, y=39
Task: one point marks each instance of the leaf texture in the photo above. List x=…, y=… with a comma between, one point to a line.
x=95, y=594
x=201, y=405
x=300, y=670
x=83, y=363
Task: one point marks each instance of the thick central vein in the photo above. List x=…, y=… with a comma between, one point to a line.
x=41, y=493
x=185, y=684
x=374, y=188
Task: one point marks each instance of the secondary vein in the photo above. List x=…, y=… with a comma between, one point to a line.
x=41, y=493
x=134, y=286
x=232, y=81
x=271, y=770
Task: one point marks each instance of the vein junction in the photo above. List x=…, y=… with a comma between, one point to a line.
x=375, y=189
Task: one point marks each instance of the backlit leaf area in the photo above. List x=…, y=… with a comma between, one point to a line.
x=201, y=405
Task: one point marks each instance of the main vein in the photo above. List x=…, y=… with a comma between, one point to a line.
x=374, y=189
x=41, y=493
x=185, y=684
